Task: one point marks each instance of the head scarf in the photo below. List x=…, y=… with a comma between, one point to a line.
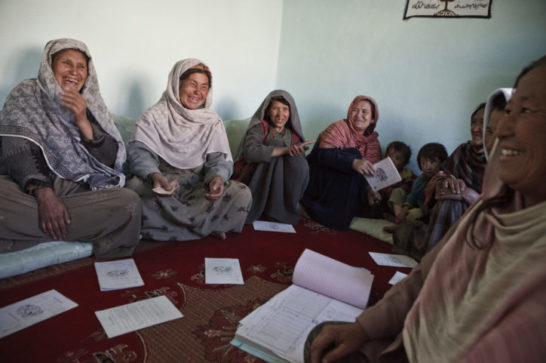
x=507, y=93
x=182, y=137
x=33, y=111
x=341, y=134
x=293, y=123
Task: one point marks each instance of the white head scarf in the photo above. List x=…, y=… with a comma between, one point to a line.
x=182, y=137
x=507, y=93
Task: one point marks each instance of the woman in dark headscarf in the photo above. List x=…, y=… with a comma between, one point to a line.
x=180, y=155
x=344, y=153
x=62, y=159
x=272, y=159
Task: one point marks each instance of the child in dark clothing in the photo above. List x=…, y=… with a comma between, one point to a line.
x=429, y=158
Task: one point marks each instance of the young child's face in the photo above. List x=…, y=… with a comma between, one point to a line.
x=397, y=158
x=428, y=165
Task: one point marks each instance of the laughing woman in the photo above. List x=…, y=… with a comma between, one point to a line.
x=61, y=160
x=180, y=155
x=272, y=159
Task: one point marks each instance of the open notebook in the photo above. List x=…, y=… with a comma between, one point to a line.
x=323, y=289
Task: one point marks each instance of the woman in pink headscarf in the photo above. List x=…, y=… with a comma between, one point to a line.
x=344, y=153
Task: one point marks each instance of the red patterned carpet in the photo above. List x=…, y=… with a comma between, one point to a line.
x=176, y=270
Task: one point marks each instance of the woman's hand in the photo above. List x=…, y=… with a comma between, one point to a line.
x=159, y=180
x=299, y=149
x=216, y=188
x=52, y=212
x=75, y=102
x=164, y=187
x=364, y=167
x=337, y=341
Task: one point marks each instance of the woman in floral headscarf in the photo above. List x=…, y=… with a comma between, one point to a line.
x=62, y=158
x=180, y=154
x=344, y=153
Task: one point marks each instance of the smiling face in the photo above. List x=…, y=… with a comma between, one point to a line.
x=361, y=116
x=278, y=114
x=522, y=136
x=193, y=90
x=70, y=69
x=476, y=127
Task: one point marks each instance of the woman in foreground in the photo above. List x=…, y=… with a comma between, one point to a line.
x=479, y=294
x=180, y=155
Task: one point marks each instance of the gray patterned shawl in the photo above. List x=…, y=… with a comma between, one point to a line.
x=33, y=111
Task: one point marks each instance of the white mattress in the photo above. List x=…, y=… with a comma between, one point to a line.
x=42, y=255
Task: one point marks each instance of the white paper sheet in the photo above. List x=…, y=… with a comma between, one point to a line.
x=173, y=187
x=223, y=271
x=273, y=227
x=387, y=259
x=138, y=315
x=35, y=309
x=397, y=277
x=386, y=174
x=119, y=274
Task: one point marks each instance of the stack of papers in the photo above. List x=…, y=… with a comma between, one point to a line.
x=323, y=290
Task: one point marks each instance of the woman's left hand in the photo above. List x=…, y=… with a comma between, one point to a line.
x=75, y=102
x=216, y=188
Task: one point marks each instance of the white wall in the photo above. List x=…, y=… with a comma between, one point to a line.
x=135, y=43
x=427, y=75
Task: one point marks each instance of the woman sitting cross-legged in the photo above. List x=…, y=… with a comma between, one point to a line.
x=61, y=160
x=272, y=160
x=343, y=154
x=479, y=295
x=180, y=155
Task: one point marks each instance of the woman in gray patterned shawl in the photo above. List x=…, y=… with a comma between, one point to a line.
x=180, y=155
x=61, y=160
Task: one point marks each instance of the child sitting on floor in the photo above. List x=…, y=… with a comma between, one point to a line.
x=410, y=206
x=400, y=154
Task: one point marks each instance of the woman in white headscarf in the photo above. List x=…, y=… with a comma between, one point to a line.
x=62, y=158
x=180, y=154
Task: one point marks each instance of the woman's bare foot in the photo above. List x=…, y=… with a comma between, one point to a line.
x=219, y=235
